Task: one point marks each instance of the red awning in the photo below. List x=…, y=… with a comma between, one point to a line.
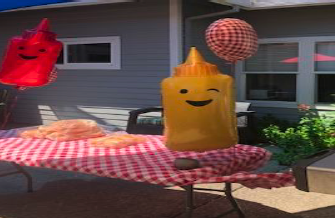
x=317, y=57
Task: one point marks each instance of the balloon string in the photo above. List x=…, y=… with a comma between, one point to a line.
x=9, y=112
x=234, y=156
x=232, y=72
x=232, y=69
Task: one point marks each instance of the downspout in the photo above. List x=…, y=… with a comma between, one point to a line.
x=189, y=20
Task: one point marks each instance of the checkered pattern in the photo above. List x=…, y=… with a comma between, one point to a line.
x=149, y=162
x=52, y=78
x=231, y=39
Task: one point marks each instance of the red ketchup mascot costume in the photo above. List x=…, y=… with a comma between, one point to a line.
x=29, y=59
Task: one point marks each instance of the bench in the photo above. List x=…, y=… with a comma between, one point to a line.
x=155, y=125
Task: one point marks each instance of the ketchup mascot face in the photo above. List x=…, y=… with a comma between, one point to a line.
x=30, y=58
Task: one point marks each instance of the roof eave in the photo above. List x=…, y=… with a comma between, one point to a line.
x=70, y=4
x=261, y=5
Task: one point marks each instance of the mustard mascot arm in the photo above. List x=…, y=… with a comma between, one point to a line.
x=199, y=107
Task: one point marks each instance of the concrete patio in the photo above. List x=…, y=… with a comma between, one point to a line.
x=71, y=195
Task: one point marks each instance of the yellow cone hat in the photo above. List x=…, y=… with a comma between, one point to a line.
x=195, y=66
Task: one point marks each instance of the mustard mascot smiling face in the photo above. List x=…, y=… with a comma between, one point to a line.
x=199, y=107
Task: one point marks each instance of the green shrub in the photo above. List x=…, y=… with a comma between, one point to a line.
x=268, y=120
x=313, y=133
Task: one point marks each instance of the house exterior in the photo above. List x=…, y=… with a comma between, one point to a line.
x=116, y=55
x=294, y=62
x=138, y=36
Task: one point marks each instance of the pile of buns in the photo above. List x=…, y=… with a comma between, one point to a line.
x=117, y=140
x=69, y=130
x=66, y=130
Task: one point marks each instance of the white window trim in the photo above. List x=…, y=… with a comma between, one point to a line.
x=306, y=76
x=115, y=63
x=176, y=30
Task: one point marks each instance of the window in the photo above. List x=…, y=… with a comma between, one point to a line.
x=325, y=88
x=276, y=57
x=90, y=53
x=271, y=87
x=271, y=73
x=288, y=71
x=324, y=65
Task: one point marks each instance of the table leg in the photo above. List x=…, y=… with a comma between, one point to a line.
x=20, y=170
x=228, y=193
x=189, y=201
x=27, y=175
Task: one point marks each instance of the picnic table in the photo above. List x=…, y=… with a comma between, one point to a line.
x=149, y=162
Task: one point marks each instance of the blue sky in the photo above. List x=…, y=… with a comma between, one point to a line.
x=14, y=4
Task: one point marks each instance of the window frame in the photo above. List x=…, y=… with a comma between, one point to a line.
x=306, y=74
x=115, y=63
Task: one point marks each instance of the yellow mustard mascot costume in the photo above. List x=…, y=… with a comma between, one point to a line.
x=199, y=107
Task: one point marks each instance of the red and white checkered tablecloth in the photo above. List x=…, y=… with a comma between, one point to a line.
x=148, y=162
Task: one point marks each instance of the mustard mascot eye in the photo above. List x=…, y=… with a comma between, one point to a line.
x=183, y=91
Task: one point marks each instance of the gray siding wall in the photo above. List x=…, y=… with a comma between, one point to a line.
x=102, y=95
x=290, y=22
x=195, y=30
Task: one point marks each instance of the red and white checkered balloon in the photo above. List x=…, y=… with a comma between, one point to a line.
x=232, y=39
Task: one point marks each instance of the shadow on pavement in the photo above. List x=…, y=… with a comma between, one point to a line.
x=325, y=212
x=112, y=198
